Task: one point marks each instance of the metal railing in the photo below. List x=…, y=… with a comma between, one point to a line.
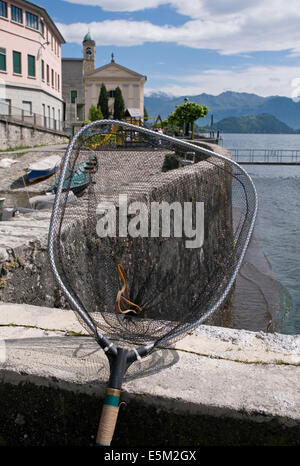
x=210, y=134
x=21, y=115
x=267, y=156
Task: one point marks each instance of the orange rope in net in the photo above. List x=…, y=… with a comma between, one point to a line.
x=122, y=299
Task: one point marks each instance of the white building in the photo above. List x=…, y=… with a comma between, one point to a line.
x=30, y=64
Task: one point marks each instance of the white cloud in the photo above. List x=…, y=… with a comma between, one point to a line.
x=119, y=33
x=230, y=37
x=254, y=28
x=121, y=5
x=261, y=80
x=191, y=8
x=230, y=27
x=202, y=9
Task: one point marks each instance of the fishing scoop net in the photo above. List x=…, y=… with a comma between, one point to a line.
x=152, y=245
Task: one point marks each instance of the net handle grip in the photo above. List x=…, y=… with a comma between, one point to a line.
x=108, y=417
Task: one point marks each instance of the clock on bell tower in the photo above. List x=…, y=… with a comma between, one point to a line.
x=88, y=53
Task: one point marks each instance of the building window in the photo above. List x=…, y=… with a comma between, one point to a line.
x=5, y=106
x=73, y=97
x=42, y=28
x=3, y=9
x=17, y=67
x=48, y=75
x=52, y=78
x=111, y=93
x=43, y=70
x=44, y=115
x=31, y=66
x=2, y=59
x=58, y=83
x=32, y=21
x=27, y=108
x=16, y=14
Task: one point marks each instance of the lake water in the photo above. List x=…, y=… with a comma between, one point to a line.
x=278, y=222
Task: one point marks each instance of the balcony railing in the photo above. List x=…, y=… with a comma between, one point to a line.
x=20, y=115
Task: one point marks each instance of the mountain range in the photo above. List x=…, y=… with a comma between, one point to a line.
x=228, y=104
x=262, y=123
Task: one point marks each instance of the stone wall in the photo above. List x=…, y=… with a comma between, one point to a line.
x=26, y=275
x=13, y=134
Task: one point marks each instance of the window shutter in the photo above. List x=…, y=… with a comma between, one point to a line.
x=31, y=65
x=17, y=62
x=2, y=59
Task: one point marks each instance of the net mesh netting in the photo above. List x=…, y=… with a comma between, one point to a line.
x=152, y=243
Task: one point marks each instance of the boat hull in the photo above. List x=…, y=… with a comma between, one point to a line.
x=81, y=177
x=35, y=175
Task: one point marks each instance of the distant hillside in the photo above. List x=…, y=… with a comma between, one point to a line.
x=229, y=104
x=263, y=123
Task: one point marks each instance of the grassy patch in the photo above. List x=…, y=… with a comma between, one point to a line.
x=13, y=149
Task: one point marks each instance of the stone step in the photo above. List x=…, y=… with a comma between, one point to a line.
x=21, y=230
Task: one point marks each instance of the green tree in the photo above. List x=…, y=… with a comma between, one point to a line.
x=173, y=120
x=188, y=113
x=145, y=115
x=119, y=106
x=172, y=125
x=95, y=113
x=103, y=102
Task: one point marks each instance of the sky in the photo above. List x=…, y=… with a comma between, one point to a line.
x=187, y=47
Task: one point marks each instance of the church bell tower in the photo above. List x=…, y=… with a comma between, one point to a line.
x=88, y=54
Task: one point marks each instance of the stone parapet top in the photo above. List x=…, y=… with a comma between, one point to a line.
x=212, y=371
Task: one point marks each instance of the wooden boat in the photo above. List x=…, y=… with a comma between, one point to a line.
x=83, y=174
x=43, y=168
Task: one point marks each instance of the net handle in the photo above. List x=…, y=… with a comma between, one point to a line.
x=108, y=417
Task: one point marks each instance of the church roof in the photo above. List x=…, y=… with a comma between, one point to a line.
x=87, y=37
x=114, y=65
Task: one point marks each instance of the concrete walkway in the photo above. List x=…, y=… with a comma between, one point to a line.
x=237, y=375
x=50, y=148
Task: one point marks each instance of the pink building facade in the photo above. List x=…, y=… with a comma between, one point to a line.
x=30, y=64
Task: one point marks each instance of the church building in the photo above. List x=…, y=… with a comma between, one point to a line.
x=81, y=84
